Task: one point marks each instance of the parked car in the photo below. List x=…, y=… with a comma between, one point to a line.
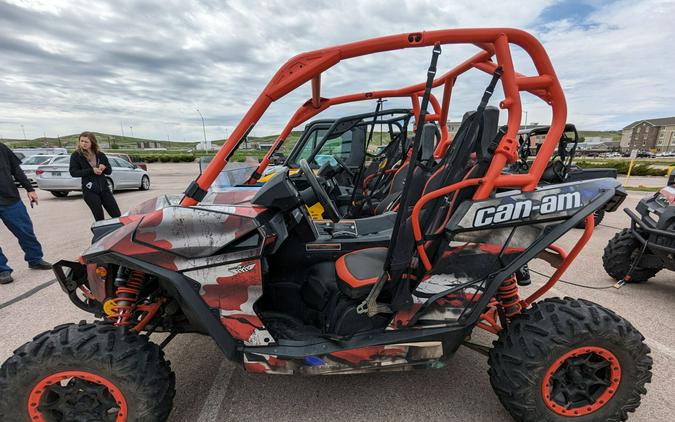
x=277, y=158
x=56, y=178
x=30, y=164
x=646, y=154
x=29, y=152
x=130, y=159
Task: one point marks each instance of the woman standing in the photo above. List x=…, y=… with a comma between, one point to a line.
x=92, y=165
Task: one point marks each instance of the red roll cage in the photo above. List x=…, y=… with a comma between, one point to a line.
x=493, y=42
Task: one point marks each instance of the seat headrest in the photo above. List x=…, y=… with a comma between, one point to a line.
x=356, y=148
x=428, y=142
x=488, y=128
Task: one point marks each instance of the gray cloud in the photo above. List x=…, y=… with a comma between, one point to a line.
x=75, y=65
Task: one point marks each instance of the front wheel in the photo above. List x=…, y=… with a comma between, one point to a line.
x=110, y=183
x=570, y=360
x=619, y=256
x=87, y=372
x=145, y=183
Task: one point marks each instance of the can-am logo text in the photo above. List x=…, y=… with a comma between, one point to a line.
x=523, y=209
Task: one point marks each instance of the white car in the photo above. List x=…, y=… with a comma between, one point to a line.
x=56, y=178
x=30, y=164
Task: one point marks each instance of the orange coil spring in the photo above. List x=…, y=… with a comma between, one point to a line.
x=125, y=300
x=508, y=297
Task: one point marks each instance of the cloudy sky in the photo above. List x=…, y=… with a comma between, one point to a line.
x=144, y=67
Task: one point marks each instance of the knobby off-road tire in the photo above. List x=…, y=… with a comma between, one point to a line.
x=619, y=255
x=538, y=341
x=101, y=355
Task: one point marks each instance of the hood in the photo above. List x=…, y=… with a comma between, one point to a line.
x=161, y=225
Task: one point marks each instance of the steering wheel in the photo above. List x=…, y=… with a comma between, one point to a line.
x=328, y=206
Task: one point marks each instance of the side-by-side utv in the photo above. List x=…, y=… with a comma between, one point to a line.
x=561, y=167
x=281, y=294
x=639, y=252
x=338, y=152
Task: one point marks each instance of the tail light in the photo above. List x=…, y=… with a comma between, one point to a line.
x=39, y=171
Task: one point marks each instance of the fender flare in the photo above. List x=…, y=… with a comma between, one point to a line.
x=186, y=292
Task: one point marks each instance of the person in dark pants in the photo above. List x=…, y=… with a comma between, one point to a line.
x=15, y=216
x=92, y=166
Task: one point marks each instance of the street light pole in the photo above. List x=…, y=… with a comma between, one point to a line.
x=203, y=127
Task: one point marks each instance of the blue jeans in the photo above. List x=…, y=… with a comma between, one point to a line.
x=18, y=222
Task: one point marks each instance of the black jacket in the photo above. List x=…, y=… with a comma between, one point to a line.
x=80, y=167
x=10, y=171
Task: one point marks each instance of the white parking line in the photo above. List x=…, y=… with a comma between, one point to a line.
x=213, y=401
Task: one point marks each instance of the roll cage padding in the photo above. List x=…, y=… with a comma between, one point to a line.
x=492, y=41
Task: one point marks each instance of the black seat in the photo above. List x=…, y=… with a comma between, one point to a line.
x=430, y=137
x=357, y=271
x=397, y=183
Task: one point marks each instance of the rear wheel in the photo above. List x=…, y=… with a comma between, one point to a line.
x=86, y=372
x=111, y=184
x=59, y=193
x=620, y=253
x=598, y=215
x=570, y=360
x=145, y=183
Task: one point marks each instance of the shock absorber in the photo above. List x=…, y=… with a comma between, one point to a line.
x=508, y=297
x=126, y=296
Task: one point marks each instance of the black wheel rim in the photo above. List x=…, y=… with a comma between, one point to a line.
x=581, y=381
x=78, y=400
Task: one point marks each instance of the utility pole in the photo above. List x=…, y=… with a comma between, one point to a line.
x=203, y=129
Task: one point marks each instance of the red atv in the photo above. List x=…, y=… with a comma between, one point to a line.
x=249, y=267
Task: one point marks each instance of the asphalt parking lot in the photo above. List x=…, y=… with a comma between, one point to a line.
x=210, y=388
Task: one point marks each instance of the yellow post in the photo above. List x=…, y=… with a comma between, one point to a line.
x=633, y=156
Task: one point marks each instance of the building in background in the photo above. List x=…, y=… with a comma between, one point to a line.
x=657, y=135
x=598, y=144
x=152, y=145
x=453, y=127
